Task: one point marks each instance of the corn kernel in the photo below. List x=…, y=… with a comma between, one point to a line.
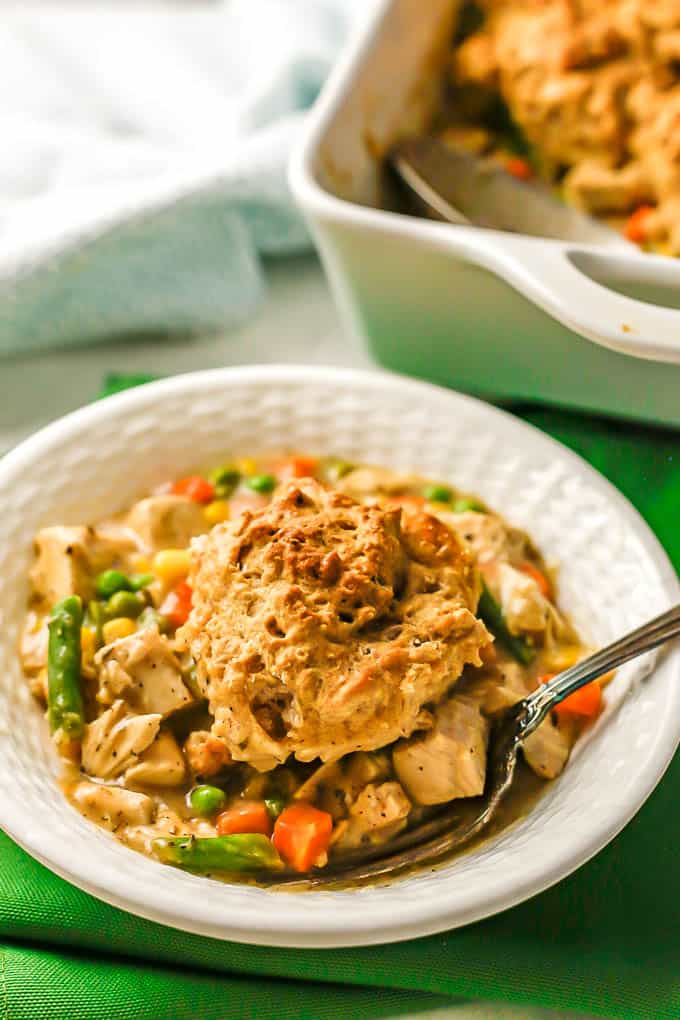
x=121, y=627
x=217, y=511
x=140, y=564
x=88, y=646
x=246, y=465
x=171, y=565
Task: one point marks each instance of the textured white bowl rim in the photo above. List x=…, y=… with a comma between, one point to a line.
x=292, y=926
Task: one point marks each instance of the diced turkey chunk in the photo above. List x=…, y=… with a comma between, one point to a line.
x=335, y=785
x=378, y=813
x=69, y=558
x=488, y=536
x=524, y=606
x=500, y=688
x=598, y=188
x=166, y=823
x=547, y=750
x=371, y=481
x=114, y=741
x=142, y=669
x=207, y=755
x=62, y=564
x=162, y=764
x=167, y=522
x=33, y=648
x=112, y=806
x=450, y=760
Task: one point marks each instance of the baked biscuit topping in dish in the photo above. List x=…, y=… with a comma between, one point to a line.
x=585, y=96
x=257, y=670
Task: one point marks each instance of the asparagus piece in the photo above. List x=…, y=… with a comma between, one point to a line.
x=492, y=614
x=64, y=697
x=239, y=852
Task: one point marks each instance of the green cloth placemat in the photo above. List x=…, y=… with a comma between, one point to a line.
x=606, y=940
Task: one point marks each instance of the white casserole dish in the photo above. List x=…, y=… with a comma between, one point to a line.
x=613, y=576
x=503, y=315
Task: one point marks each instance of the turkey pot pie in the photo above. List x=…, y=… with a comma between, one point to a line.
x=258, y=669
x=584, y=96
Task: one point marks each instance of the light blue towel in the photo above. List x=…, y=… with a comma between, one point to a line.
x=142, y=171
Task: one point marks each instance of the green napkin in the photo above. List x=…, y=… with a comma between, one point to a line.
x=606, y=940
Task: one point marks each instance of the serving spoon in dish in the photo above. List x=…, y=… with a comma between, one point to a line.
x=458, y=823
x=448, y=183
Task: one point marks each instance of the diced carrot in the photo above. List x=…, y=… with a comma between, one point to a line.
x=519, y=168
x=636, y=229
x=245, y=816
x=538, y=576
x=296, y=467
x=302, y=835
x=586, y=702
x=177, y=604
x=195, y=488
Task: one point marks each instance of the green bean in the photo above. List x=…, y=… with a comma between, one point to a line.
x=64, y=696
x=239, y=852
x=490, y=611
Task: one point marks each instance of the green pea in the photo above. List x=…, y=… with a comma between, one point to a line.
x=207, y=800
x=111, y=581
x=274, y=805
x=224, y=480
x=150, y=618
x=437, y=494
x=466, y=503
x=139, y=581
x=261, y=483
x=125, y=603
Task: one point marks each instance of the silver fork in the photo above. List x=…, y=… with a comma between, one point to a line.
x=455, y=826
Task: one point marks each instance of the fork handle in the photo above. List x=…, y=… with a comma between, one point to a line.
x=652, y=634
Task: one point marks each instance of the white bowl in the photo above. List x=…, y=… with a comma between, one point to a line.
x=614, y=575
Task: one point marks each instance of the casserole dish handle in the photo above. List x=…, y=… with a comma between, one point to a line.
x=584, y=288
